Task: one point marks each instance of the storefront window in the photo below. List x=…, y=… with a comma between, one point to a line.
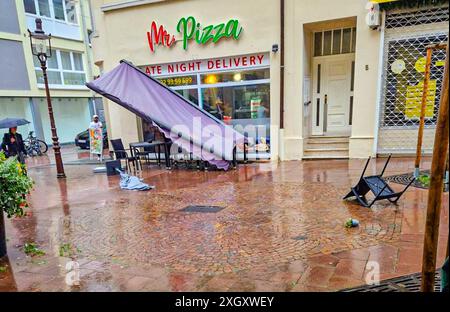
x=246, y=108
x=239, y=98
x=189, y=94
x=248, y=75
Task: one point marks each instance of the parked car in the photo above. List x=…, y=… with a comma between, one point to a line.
x=82, y=139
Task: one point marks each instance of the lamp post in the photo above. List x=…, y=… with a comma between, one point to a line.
x=39, y=41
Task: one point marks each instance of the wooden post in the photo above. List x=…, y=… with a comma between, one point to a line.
x=423, y=109
x=436, y=188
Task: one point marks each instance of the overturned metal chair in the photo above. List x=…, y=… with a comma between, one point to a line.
x=377, y=185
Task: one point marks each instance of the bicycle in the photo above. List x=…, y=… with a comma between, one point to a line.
x=34, y=146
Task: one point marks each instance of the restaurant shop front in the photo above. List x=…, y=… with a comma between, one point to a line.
x=234, y=89
x=303, y=82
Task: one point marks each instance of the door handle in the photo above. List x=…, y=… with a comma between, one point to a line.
x=307, y=103
x=326, y=98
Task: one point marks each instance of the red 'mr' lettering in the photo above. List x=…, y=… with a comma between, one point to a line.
x=159, y=36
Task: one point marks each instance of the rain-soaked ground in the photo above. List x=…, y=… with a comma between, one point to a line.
x=281, y=229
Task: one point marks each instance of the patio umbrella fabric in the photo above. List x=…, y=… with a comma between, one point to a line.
x=12, y=122
x=128, y=182
x=188, y=126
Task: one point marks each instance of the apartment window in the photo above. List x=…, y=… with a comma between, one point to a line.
x=61, y=10
x=44, y=8
x=71, y=11
x=30, y=6
x=65, y=68
x=58, y=9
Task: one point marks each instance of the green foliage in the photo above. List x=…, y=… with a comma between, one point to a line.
x=424, y=179
x=67, y=250
x=31, y=249
x=3, y=269
x=14, y=185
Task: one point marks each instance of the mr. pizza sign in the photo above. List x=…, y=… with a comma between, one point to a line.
x=191, y=30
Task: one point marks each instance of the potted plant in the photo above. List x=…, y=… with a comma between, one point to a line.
x=14, y=186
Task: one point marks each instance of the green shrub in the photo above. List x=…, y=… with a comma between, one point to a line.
x=14, y=186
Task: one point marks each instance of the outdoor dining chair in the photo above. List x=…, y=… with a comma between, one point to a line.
x=377, y=185
x=121, y=153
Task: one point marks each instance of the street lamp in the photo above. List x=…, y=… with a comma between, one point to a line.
x=39, y=41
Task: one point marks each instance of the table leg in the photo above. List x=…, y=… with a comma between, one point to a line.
x=159, y=155
x=167, y=155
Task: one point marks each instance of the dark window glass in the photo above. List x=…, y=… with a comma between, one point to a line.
x=319, y=69
x=318, y=44
x=352, y=85
x=318, y=112
x=44, y=8
x=346, y=40
x=71, y=11
x=350, y=118
x=327, y=43
x=246, y=108
x=337, y=41
x=353, y=39
x=58, y=9
x=189, y=94
x=29, y=6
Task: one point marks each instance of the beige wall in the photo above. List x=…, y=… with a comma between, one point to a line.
x=115, y=42
x=122, y=34
x=318, y=13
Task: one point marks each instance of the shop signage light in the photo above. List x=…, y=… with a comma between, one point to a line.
x=190, y=30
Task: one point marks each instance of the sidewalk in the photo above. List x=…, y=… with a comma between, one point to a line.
x=281, y=229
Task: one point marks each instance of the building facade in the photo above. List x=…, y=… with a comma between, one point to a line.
x=310, y=81
x=22, y=92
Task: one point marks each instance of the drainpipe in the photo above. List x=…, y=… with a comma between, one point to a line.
x=282, y=65
x=87, y=48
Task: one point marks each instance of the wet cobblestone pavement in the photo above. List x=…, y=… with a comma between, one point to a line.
x=281, y=229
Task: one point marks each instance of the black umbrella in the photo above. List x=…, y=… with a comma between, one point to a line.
x=12, y=122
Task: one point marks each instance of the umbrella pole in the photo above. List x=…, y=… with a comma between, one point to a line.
x=436, y=189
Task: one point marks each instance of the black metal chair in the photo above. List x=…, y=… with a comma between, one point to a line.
x=120, y=153
x=377, y=185
x=145, y=152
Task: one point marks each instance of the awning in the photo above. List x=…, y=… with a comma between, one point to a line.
x=188, y=126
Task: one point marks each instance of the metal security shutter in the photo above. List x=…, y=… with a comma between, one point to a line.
x=407, y=33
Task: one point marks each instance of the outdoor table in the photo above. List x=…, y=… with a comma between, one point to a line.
x=155, y=144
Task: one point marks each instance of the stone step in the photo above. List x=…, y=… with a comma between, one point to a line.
x=328, y=153
x=327, y=145
x=327, y=139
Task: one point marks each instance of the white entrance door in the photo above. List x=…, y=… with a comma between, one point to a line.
x=333, y=95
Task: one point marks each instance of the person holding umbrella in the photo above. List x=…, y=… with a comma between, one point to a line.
x=12, y=143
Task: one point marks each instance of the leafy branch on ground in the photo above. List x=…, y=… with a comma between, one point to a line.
x=31, y=249
x=424, y=179
x=67, y=250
